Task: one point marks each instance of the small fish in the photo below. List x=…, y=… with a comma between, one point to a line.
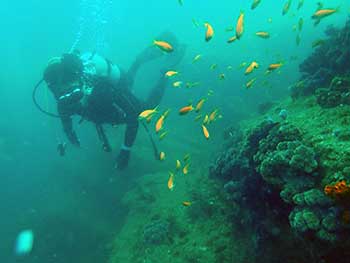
x=212, y=115
x=147, y=113
x=163, y=45
x=186, y=203
x=262, y=34
x=222, y=76
x=229, y=67
x=171, y=73
x=185, y=169
x=196, y=58
x=242, y=65
x=61, y=148
x=240, y=26
x=251, y=68
x=213, y=66
x=177, y=84
x=209, y=32
x=250, y=83
x=206, y=119
x=229, y=28
x=300, y=23
x=195, y=23
x=198, y=117
x=269, y=20
x=255, y=4
x=322, y=13
x=178, y=165
x=300, y=4
x=192, y=84
x=163, y=134
x=317, y=43
x=171, y=181
x=181, y=2
x=162, y=156
x=210, y=92
x=200, y=104
x=274, y=66
x=159, y=123
x=286, y=7
x=205, y=132
x=231, y=39
x=185, y=110
x=298, y=39
x=187, y=157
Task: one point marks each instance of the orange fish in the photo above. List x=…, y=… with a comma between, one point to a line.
x=251, y=67
x=186, y=203
x=322, y=13
x=263, y=34
x=159, y=123
x=200, y=105
x=171, y=73
x=171, y=181
x=186, y=109
x=274, y=66
x=240, y=26
x=232, y=39
x=162, y=45
x=205, y=132
x=209, y=32
x=212, y=115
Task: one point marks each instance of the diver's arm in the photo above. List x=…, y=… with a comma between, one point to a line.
x=67, y=124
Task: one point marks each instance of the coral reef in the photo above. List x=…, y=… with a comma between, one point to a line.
x=330, y=59
x=337, y=94
x=274, y=177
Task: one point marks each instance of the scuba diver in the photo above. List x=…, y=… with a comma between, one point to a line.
x=101, y=92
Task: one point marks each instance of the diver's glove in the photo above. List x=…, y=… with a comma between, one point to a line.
x=123, y=158
x=73, y=138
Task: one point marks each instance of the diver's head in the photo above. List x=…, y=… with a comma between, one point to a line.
x=63, y=71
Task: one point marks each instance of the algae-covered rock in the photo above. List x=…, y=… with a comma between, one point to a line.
x=156, y=232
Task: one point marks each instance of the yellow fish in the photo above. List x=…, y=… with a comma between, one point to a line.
x=240, y=26
x=162, y=45
x=200, y=104
x=250, y=83
x=147, y=113
x=186, y=203
x=185, y=169
x=251, y=67
x=178, y=165
x=274, y=66
x=213, y=115
x=171, y=73
x=171, y=181
x=205, y=132
x=206, y=119
x=177, y=84
x=196, y=58
x=322, y=13
x=209, y=32
x=263, y=34
x=232, y=39
x=162, y=156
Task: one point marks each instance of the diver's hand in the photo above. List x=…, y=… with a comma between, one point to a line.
x=123, y=159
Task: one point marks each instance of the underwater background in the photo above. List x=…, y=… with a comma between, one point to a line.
x=81, y=209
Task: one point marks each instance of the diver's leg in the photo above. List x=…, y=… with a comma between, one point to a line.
x=102, y=136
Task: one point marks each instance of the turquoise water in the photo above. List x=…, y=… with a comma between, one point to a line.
x=73, y=204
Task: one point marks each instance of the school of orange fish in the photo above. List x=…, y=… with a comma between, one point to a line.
x=166, y=47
